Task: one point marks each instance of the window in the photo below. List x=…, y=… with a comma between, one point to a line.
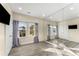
x=22, y=29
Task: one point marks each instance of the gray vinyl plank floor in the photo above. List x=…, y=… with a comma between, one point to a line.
x=38, y=49
x=35, y=49
x=68, y=43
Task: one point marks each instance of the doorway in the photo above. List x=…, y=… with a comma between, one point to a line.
x=52, y=32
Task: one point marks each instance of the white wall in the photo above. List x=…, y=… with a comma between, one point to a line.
x=2, y=39
x=42, y=24
x=6, y=34
x=69, y=34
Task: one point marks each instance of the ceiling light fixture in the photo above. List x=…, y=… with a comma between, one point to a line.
x=71, y=8
x=43, y=15
x=20, y=8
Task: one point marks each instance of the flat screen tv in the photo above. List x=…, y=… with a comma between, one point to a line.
x=72, y=27
x=4, y=15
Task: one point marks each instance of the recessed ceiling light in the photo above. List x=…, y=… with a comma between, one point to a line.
x=20, y=8
x=43, y=15
x=71, y=8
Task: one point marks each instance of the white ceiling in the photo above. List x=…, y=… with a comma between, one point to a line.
x=67, y=13
x=47, y=10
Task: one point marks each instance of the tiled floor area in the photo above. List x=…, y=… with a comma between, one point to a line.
x=46, y=49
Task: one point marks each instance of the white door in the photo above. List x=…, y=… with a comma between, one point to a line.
x=26, y=32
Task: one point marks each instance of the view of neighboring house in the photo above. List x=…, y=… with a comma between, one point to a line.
x=39, y=29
